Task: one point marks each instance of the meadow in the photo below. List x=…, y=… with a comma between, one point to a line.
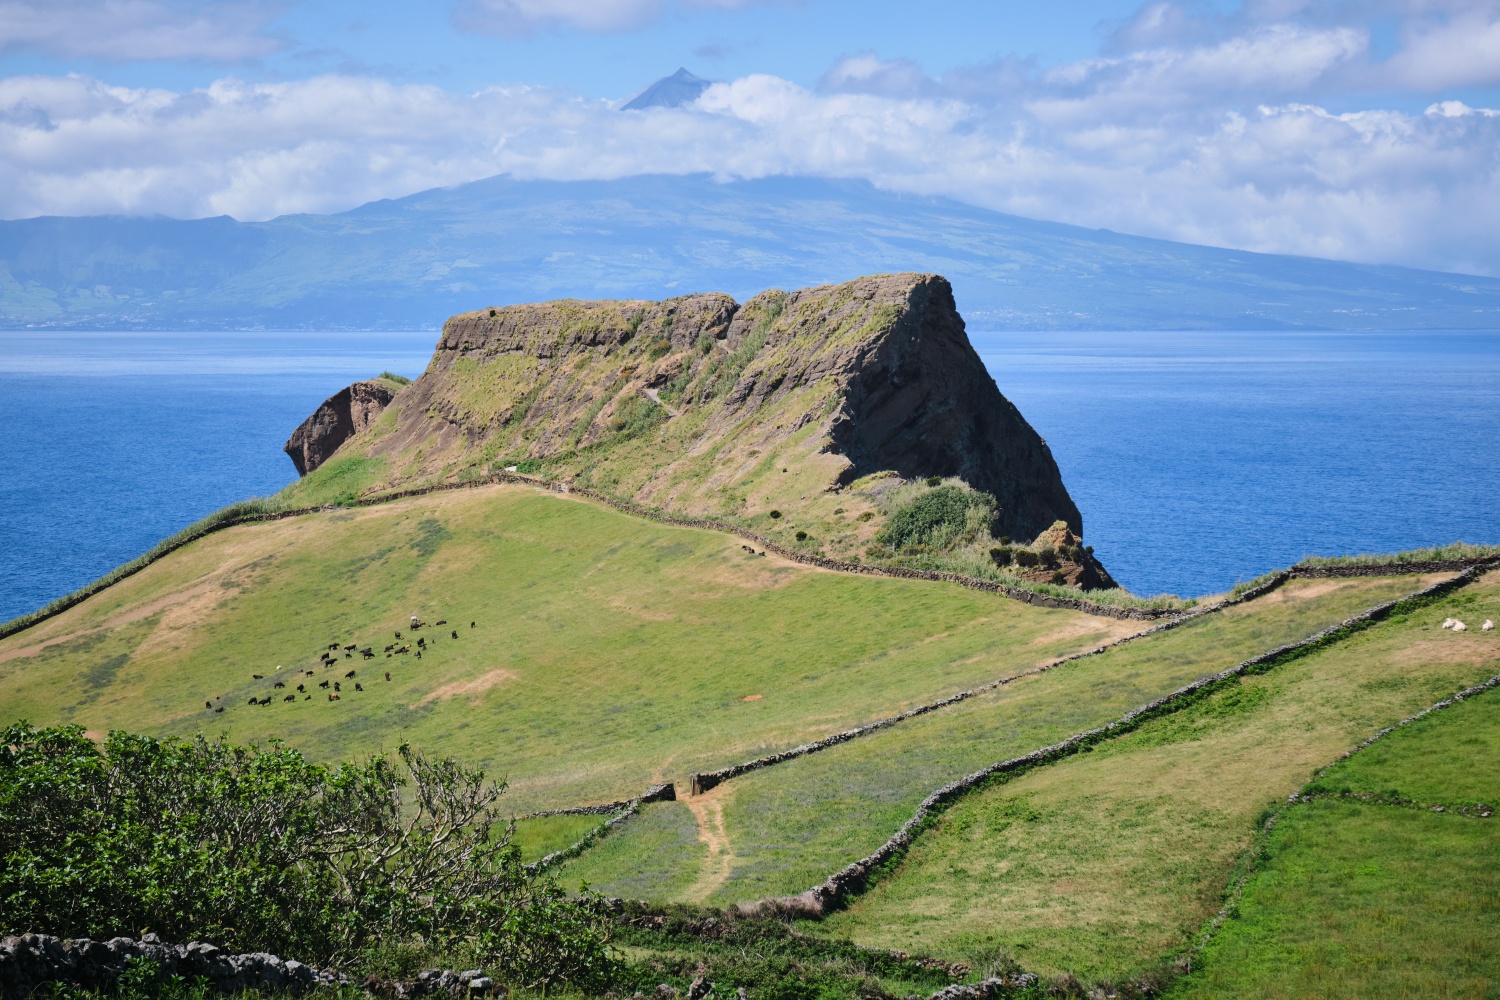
x=608, y=652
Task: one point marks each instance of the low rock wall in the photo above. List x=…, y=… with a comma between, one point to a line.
x=30, y=961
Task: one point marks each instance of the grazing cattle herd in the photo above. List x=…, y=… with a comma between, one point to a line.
x=328, y=657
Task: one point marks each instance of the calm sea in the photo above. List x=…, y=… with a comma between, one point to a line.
x=1197, y=459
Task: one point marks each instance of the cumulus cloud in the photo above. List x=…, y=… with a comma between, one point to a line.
x=518, y=18
x=215, y=31
x=1219, y=140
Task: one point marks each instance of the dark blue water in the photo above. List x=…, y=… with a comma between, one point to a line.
x=1197, y=459
x=114, y=441
x=1200, y=459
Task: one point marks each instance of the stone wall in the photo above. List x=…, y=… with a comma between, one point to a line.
x=29, y=961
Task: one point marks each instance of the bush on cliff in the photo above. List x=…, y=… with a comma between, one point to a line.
x=938, y=517
x=261, y=850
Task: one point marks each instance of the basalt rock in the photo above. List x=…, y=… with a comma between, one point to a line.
x=342, y=415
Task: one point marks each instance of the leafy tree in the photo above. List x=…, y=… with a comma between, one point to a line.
x=261, y=849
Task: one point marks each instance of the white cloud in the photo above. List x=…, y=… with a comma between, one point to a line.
x=517, y=18
x=1222, y=140
x=216, y=31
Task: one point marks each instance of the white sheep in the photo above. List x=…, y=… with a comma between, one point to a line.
x=1460, y=627
x=1449, y=622
x=1487, y=626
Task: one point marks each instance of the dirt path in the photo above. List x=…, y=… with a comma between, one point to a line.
x=708, y=810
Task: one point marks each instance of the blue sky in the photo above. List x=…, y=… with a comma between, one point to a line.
x=1356, y=130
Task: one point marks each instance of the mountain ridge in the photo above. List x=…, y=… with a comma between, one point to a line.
x=406, y=263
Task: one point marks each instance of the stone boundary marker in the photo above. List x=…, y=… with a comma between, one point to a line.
x=856, y=877
x=666, y=792
x=64, y=603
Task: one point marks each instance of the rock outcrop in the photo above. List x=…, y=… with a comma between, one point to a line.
x=342, y=415
x=775, y=412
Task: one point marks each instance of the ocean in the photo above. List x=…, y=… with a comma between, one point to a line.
x=1197, y=459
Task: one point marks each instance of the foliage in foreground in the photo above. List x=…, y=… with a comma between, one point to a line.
x=261, y=850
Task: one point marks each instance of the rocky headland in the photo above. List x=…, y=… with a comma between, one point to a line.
x=799, y=412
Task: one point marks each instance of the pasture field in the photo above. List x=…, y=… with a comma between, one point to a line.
x=1106, y=864
x=608, y=652
x=1353, y=899
x=781, y=830
x=540, y=836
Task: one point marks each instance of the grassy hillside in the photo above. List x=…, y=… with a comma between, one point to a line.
x=1105, y=864
x=1359, y=899
x=608, y=652
x=784, y=829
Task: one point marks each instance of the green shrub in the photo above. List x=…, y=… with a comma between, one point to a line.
x=1002, y=556
x=801, y=536
x=938, y=517
x=934, y=480
x=262, y=850
x=775, y=515
x=1026, y=558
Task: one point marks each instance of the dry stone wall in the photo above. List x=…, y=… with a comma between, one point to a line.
x=29, y=962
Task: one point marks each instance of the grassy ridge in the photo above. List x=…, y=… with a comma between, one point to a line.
x=1352, y=899
x=789, y=826
x=1102, y=864
x=608, y=648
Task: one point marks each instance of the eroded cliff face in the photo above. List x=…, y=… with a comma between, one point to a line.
x=342, y=415
x=704, y=406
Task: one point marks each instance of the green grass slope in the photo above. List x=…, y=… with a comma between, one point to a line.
x=1105, y=864
x=1361, y=900
x=783, y=829
x=610, y=651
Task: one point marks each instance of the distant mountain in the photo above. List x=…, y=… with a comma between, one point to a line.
x=672, y=91
x=412, y=262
